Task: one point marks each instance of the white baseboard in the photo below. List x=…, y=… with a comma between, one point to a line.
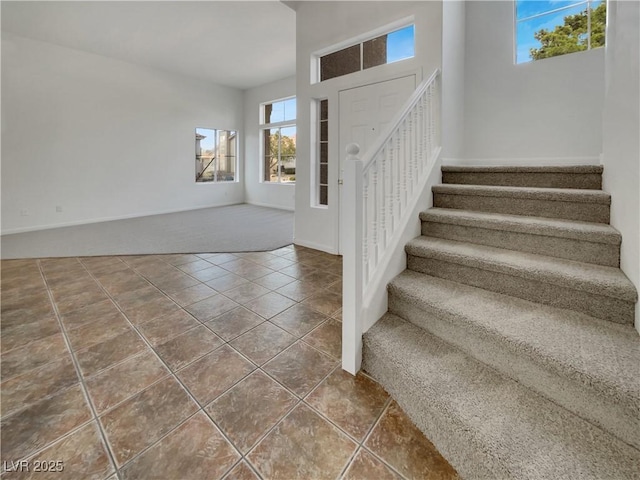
x=278, y=207
x=109, y=219
x=543, y=162
x=315, y=246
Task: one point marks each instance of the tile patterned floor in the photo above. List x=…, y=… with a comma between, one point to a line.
x=192, y=366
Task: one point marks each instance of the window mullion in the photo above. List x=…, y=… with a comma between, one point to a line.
x=279, y=155
x=216, y=152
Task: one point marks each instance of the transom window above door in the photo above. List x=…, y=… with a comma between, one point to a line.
x=394, y=45
x=278, y=138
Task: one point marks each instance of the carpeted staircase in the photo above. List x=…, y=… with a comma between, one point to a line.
x=509, y=339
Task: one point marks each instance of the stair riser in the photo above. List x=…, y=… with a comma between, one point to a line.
x=450, y=437
x=568, y=248
x=587, y=212
x=598, y=306
x=574, y=395
x=588, y=181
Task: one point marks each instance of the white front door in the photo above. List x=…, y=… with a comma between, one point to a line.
x=365, y=112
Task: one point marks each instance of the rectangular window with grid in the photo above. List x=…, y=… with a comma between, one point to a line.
x=278, y=127
x=216, y=155
x=391, y=47
x=546, y=29
x=323, y=152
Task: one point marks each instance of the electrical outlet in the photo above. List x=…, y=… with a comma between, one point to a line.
x=58, y=208
x=24, y=212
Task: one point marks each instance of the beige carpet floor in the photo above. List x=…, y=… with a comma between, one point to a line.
x=235, y=228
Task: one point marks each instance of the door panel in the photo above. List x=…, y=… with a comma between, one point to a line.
x=366, y=111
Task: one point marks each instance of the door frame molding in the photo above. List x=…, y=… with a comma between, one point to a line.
x=330, y=89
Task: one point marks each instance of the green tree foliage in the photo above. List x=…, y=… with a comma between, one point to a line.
x=274, y=143
x=287, y=147
x=572, y=36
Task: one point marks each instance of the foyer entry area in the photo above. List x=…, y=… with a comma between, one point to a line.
x=193, y=366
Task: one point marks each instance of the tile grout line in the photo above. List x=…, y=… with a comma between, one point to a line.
x=155, y=382
x=349, y=462
x=44, y=397
x=378, y=419
x=246, y=308
x=156, y=442
x=299, y=399
x=171, y=374
x=361, y=443
x=390, y=400
x=201, y=323
x=76, y=365
x=58, y=440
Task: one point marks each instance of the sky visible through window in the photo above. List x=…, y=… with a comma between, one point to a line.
x=283, y=111
x=526, y=27
x=209, y=142
x=400, y=44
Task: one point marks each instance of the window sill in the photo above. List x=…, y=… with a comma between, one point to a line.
x=217, y=183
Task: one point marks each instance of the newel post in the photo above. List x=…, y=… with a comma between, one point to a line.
x=352, y=262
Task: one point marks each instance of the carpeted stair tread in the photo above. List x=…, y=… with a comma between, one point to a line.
x=576, y=230
x=602, y=355
x=528, y=193
x=595, y=169
x=578, y=177
x=485, y=424
x=596, y=279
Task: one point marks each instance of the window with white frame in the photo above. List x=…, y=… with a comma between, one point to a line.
x=550, y=28
x=323, y=152
x=278, y=134
x=390, y=47
x=216, y=155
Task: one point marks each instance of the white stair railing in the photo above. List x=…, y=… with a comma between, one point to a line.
x=380, y=189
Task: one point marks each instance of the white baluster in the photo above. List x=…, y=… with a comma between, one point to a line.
x=365, y=228
x=390, y=192
x=405, y=165
x=438, y=113
x=432, y=124
x=416, y=145
x=425, y=126
x=374, y=215
x=398, y=160
x=427, y=120
x=383, y=203
x=419, y=133
x=411, y=151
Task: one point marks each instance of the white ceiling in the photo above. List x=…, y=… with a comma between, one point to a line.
x=235, y=43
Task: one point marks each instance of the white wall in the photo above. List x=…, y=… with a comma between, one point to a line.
x=320, y=25
x=102, y=138
x=621, y=127
x=550, y=108
x=257, y=192
x=453, y=42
